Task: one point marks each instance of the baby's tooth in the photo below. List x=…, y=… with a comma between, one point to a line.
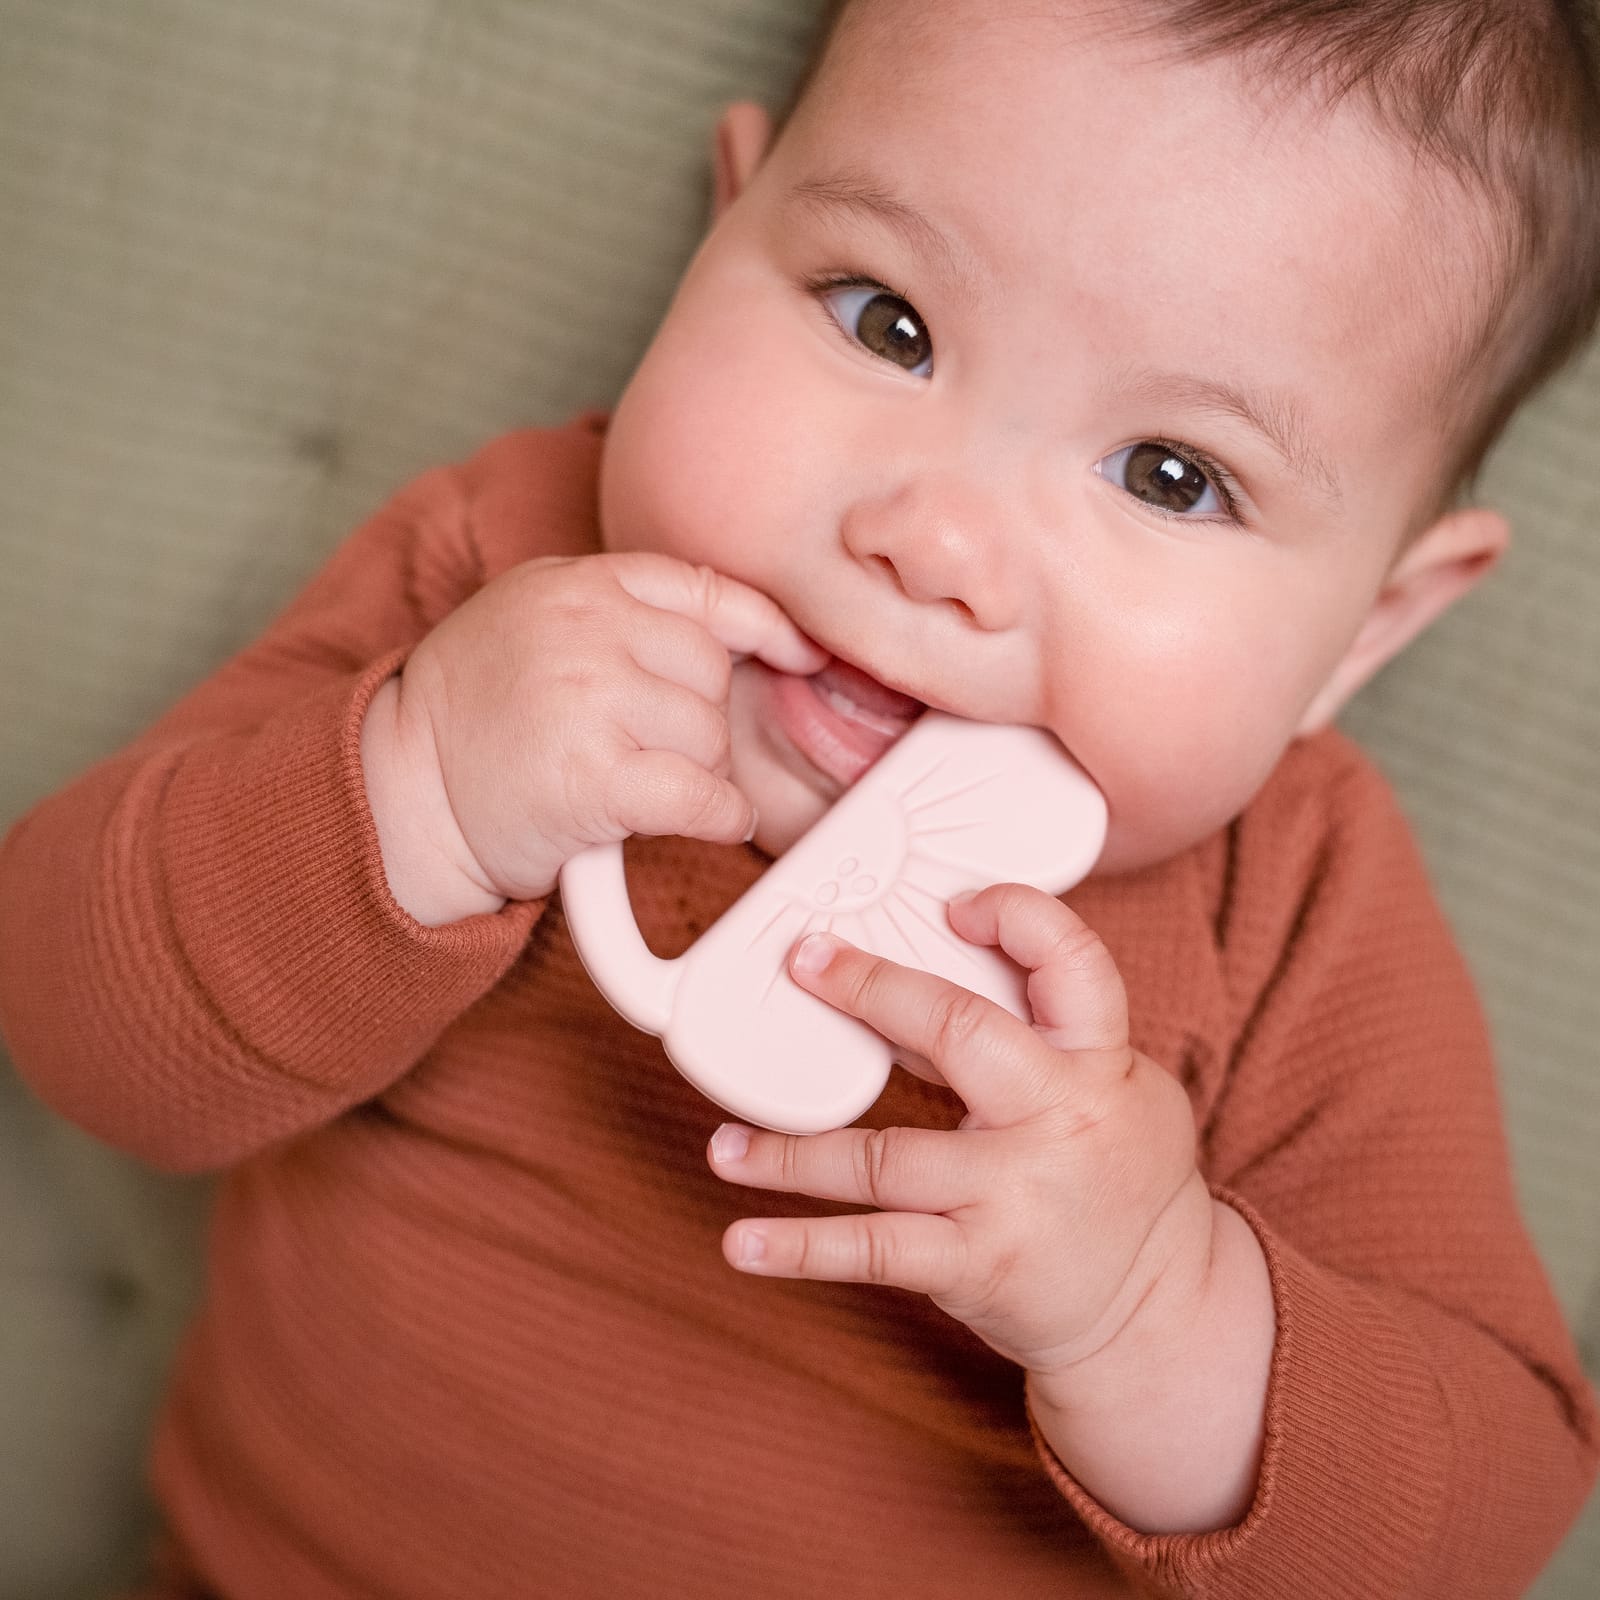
x=868, y=719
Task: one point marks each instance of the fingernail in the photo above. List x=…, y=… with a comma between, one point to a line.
x=962, y=898
x=730, y=1142
x=815, y=952
x=752, y=1246
x=755, y=822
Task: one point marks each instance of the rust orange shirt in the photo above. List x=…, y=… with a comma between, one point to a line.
x=467, y=1328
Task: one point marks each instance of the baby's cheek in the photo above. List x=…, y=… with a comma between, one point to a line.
x=1175, y=765
x=665, y=480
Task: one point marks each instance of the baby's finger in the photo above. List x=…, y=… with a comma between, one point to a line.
x=1075, y=992
x=919, y=1067
x=894, y=1169
x=677, y=649
x=745, y=621
x=907, y=1250
x=659, y=715
x=998, y=1065
x=657, y=792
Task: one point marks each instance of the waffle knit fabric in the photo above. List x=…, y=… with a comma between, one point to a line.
x=467, y=1327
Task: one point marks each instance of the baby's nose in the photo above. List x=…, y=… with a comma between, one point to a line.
x=937, y=540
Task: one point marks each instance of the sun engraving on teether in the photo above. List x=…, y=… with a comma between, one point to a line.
x=895, y=905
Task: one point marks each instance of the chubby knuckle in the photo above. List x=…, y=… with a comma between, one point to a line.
x=1076, y=946
x=957, y=1020
x=579, y=674
x=1011, y=897
x=869, y=987
x=543, y=577
x=789, y=1163
x=1085, y=1110
x=578, y=613
x=707, y=584
x=875, y=1154
x=701, y=797
x=562, y=577
x=808, y=1263
x=988, y=1271
x=875, y=1246
x=587, y=798
x=975, y=1291
x=637, y=800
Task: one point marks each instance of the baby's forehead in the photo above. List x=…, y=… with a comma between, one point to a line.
x=1022, y=106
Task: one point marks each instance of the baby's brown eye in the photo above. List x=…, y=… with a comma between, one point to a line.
x=887, y=325
x=1161, y=478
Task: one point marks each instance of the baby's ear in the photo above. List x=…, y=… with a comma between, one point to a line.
x=738, y=146
x=1444, y=563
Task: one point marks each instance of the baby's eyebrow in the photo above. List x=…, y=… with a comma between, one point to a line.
x=1276, y=416
x=855, y=192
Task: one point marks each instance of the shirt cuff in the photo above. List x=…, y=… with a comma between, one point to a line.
x=1353, y=1469
x=279, y=901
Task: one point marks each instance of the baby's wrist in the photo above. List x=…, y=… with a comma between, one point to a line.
x=1161, y=1329
x=426, y=860
x=1167, y=1427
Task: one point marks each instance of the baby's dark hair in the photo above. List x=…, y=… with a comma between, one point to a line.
x=1503, y=95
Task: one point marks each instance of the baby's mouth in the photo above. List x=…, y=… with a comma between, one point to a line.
x=840, y=720
x=860, y=697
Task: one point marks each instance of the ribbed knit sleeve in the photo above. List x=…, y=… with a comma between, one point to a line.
x=199, y=952
x=1430, y=1434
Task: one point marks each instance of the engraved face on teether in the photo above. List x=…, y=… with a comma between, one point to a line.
x=848, y=890
x=954, y=805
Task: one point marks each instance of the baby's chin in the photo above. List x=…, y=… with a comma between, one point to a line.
x=786, y=809
x=778, y=838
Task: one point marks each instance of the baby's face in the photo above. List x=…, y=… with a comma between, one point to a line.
x=993, y=449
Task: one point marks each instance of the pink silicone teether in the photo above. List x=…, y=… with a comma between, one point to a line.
x=954, y=805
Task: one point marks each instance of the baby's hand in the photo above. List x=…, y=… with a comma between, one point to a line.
x=572, y=701
x=1065, y=1209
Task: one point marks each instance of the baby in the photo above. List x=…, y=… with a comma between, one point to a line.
x=1112, y=370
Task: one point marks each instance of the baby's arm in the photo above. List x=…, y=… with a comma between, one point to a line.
x=1326, y=1361
x=269, y=907
x=198, y=951
x=1429, y=1432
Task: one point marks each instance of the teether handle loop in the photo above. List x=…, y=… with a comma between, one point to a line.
x=594, y=898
